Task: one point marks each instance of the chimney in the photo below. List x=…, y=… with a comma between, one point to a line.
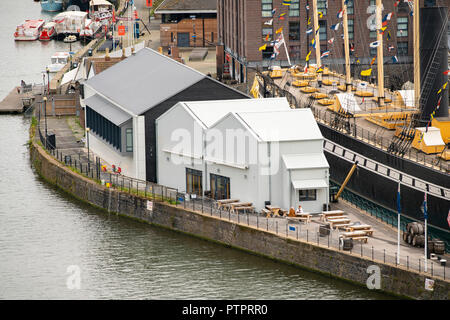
x=107, y=58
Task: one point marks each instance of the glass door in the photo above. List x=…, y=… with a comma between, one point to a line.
x=220, y=187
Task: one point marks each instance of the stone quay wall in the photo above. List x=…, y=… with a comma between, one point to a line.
x=317, y=258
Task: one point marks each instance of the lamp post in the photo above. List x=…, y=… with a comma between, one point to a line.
x=45, y=118
x=48, y=80
x=87, y=137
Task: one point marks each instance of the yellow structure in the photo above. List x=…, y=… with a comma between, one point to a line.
x=364, y=94
x=444, y=125
x=428, y=140
x=309, y=90
x=300, y=83
x=390, y=120
x=328, y=82
x=410, y=133
x=326, y=102
x=277, y=73
x=318, y=95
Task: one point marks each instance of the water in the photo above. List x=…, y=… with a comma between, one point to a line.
x=43, y=232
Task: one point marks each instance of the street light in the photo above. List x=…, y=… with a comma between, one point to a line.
x=48, y=80
x=87, y=137
x=44, y=99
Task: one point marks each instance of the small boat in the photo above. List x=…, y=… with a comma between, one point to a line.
x=48, y=31
x=101, y=11
x=91, y=28
x=69, y=23
x=29, y=30
x=69, y=39
x=52, y=5
x=58, y=61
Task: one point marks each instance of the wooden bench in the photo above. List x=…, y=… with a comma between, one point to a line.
x=267, y=212
x=243, y=208
x=298, y=219
x=336, y=223
x=362, y=238
x=337, y=218
x=221, y=203
x=274, y=210
x=358, y=227
x=334, y=213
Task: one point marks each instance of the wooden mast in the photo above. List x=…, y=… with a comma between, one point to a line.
x=348, y=80
x=380, y=55
x=416, y=22
x=317, y=38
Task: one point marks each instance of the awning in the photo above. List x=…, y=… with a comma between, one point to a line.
x=74, y=74
x=107, y=110
x=309, y=184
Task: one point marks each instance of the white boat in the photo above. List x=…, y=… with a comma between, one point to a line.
x=58, y=61
x=70, y=23
x=90, y=29
x=29, y=30
x=101, y=11
x=48, y=31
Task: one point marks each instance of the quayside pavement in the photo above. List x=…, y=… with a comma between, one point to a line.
x=381, y=247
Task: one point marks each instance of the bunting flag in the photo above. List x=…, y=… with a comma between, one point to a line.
x=387, y=17
x=446, y=72
x=307, y=56
x=269, y=23
x=391, y=47
x=309, y=21
x=305, y=70
x=286, y=2
x=335, y=27
x=396, y=3
x=394, y=59
x=114, y=16
x=282, y=16
x=382, y=30
x=332, y=40
x=362, y=101
x=352, y=47
x=358, y=62
x=374, y=44
x=373, y=61
x=320, y=14
x=267, y=37
x=443, y=87
x=325, y=54
x=308, y=31
x=389, y=37
x=263, y=47
x=317, y=31
x=340, y=14
x=279, y=30
x=320, y=70
x=307, y=7
x=367, y=72
x=273, y=11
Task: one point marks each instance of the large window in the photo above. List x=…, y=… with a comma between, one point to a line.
x=323, y=29
x=265, y=32
x=294, y=8
x=307, y=195
x=103, y=128
x=129, y=139
x=267, y=54
x=322, y=6
x=402, y=48
x=402, y=27
x=351, y=28
x=194, y=181
x=350, y=7
x=266, y=8
x=294, y=30
x=220, y=187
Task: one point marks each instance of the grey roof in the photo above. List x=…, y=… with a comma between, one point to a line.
x=107, y=109
x=187, y=5
x=144, y=80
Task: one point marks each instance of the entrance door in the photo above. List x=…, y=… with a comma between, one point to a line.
x=220, y=187
x=183, y=39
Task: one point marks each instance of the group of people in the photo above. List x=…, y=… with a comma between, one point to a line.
x=293, y=213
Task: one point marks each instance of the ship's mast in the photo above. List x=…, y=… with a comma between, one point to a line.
x=317, y=37
x=416, y=23
x=348, y=80
x=380, y=55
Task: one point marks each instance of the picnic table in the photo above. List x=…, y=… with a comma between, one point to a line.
x=337, y=222
x=352, y=228
x=304, y=217
x=332, y=213
x=355, y=235
x=235, y=206
x=221, y=203
x=274, y=210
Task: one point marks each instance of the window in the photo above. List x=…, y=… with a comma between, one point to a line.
x=129, y=139
x=266, y=8
x=402, y=27
x=294, y=30
x=194, y=181
x=307, y=195
x=266, y=54
x=103, y=128
x=323, y=29
x=373, y=34
x=402, y=48
x=373, y=51
x=350, y=7
x=220, y=187
x=265, y=32
x=351, y=28
x=294, y=8
x=322, y=6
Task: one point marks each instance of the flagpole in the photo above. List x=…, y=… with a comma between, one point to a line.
x=416, y=23
x=380, y=55
x=425, y=209
x=398, y=224
x=317, y=38
x=348, y=80
x=285, y=48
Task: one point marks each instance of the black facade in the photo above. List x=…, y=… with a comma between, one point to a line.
x=103, y=128
x=205, y=89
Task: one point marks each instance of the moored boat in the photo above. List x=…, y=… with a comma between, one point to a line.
x=90, y=29
x=58, y=61
x=69, y=23
x=48, y=32
x=52, y=5
x=29, y=30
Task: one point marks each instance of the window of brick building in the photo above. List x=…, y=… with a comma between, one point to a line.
x=322, y=6
x=265, y=32
x=402, y=27
x=266, y=8
x=294, y=8
x=350, y=7
x=323, y=29
x=294, y=30
x=351, y=28
x=402, y=48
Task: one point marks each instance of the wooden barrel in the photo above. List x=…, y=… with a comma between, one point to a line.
x=408, y=227
x=347, y=244
x=417, y=228
x=410, y=238
x=418, y=241
x=439, y=246
x=405, y=236
x=324, y=231
x=430, y=246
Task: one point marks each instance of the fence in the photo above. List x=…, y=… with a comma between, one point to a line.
x=280, y=226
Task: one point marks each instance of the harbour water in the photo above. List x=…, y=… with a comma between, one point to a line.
x=44, y=233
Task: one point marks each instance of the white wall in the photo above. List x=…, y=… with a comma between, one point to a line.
x=139, y=147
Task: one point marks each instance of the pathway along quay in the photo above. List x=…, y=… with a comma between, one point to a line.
x=297, y=245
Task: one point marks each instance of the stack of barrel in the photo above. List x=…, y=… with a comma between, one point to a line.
x=415, y=235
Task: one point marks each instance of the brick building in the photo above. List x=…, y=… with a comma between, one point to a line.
x=188, y=23
x=243, y=27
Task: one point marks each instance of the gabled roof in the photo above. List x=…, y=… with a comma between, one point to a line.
x=207, y=113
x=278, y=126
x=144, y=80
x=305, y=161
x=185, y=6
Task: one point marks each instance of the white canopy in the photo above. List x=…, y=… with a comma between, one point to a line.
x=408, y=97
x=432, y=136
x=100, y=3
x=309, y=184
x=348, y=102
x=74, y=74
